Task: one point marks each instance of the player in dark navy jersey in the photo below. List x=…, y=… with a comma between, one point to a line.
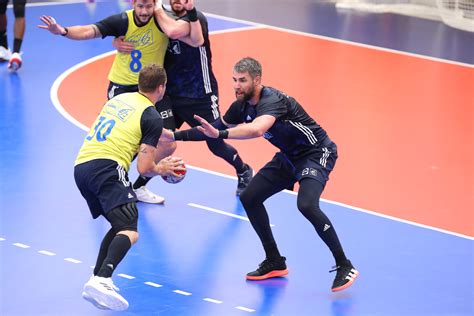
x=307, y=156
x=192, y=89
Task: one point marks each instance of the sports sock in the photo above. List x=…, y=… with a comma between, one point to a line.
x=271, y=251
x=141, y=181
x=17, y=45
x=3, y=39
x=104, y=247
x=117, y=250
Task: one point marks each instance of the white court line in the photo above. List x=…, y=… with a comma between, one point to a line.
x=63, y=112
x=354, y=208
x=20, y=245
x=182, y=292
x=59, y=80
x=47, y=253
x=221, y=212
x=153, y=284
x=245, y=309
x=126, y=276
x=2, y=239
x=332, y=39
x=211, y=300
x=44, y=4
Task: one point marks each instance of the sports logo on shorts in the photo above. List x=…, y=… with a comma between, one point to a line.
x=166, y=114
x=309, y=171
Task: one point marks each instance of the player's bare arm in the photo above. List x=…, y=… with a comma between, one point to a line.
x=166, y=167
x=172, y=28
x=78, y=32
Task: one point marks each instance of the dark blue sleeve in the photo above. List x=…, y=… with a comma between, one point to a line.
x=275, y=108
x=114, y=25
x=233, y=115
x=151, y=125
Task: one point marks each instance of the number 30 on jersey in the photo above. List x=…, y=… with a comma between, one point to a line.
x=102, y=129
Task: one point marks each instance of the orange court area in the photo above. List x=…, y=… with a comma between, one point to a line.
x=403, y=124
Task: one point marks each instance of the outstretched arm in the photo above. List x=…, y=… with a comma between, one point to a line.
x=78, y=32
x=242, y=131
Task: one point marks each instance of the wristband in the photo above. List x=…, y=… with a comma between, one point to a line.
x=67, y=31
x=178, y=135
x=192, y=15
x=223, y=133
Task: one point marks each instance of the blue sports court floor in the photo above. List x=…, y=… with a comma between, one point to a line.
x=194, y=251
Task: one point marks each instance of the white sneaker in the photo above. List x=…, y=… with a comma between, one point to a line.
x=103, y=292
x=5, y=54
x=145, y=195
x=93, y=302
x=15, y=62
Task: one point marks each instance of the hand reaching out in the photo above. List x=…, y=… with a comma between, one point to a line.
x=206, y=128
x=51, y=25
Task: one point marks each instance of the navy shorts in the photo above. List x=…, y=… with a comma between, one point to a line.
x=163, y=107
x=185, y=108
x=317, y=165
x=104, y=185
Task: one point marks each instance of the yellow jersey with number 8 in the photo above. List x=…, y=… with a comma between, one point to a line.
x=150, y=48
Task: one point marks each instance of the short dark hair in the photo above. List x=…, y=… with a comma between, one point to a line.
x=250, y=65
x=150, y=77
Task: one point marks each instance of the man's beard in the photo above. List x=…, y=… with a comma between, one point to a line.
x=178, y=12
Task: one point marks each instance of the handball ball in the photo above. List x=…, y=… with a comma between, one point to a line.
x=173, y=179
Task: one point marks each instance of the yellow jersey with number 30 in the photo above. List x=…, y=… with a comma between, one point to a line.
x=150, y=48
x=116, y=133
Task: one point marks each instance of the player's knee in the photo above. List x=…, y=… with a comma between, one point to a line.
x=19, y=8
x=124, y=219
x=306, y=206
x=249, y=199
x=132, y=235
x=216, y=146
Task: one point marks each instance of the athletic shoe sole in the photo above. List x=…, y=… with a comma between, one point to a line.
x=93, y=302
x=272, y=274
x=345, y=286
x=157, y=201
x=105, y=299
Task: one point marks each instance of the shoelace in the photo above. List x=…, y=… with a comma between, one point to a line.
x=342, y=271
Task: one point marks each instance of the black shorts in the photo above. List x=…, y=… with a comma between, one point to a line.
x=163, y=107
x=185, y=108
x=104, y=185
x=317, y=165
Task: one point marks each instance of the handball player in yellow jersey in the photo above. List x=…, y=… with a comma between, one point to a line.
x=128, y=125
x=148, y=27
